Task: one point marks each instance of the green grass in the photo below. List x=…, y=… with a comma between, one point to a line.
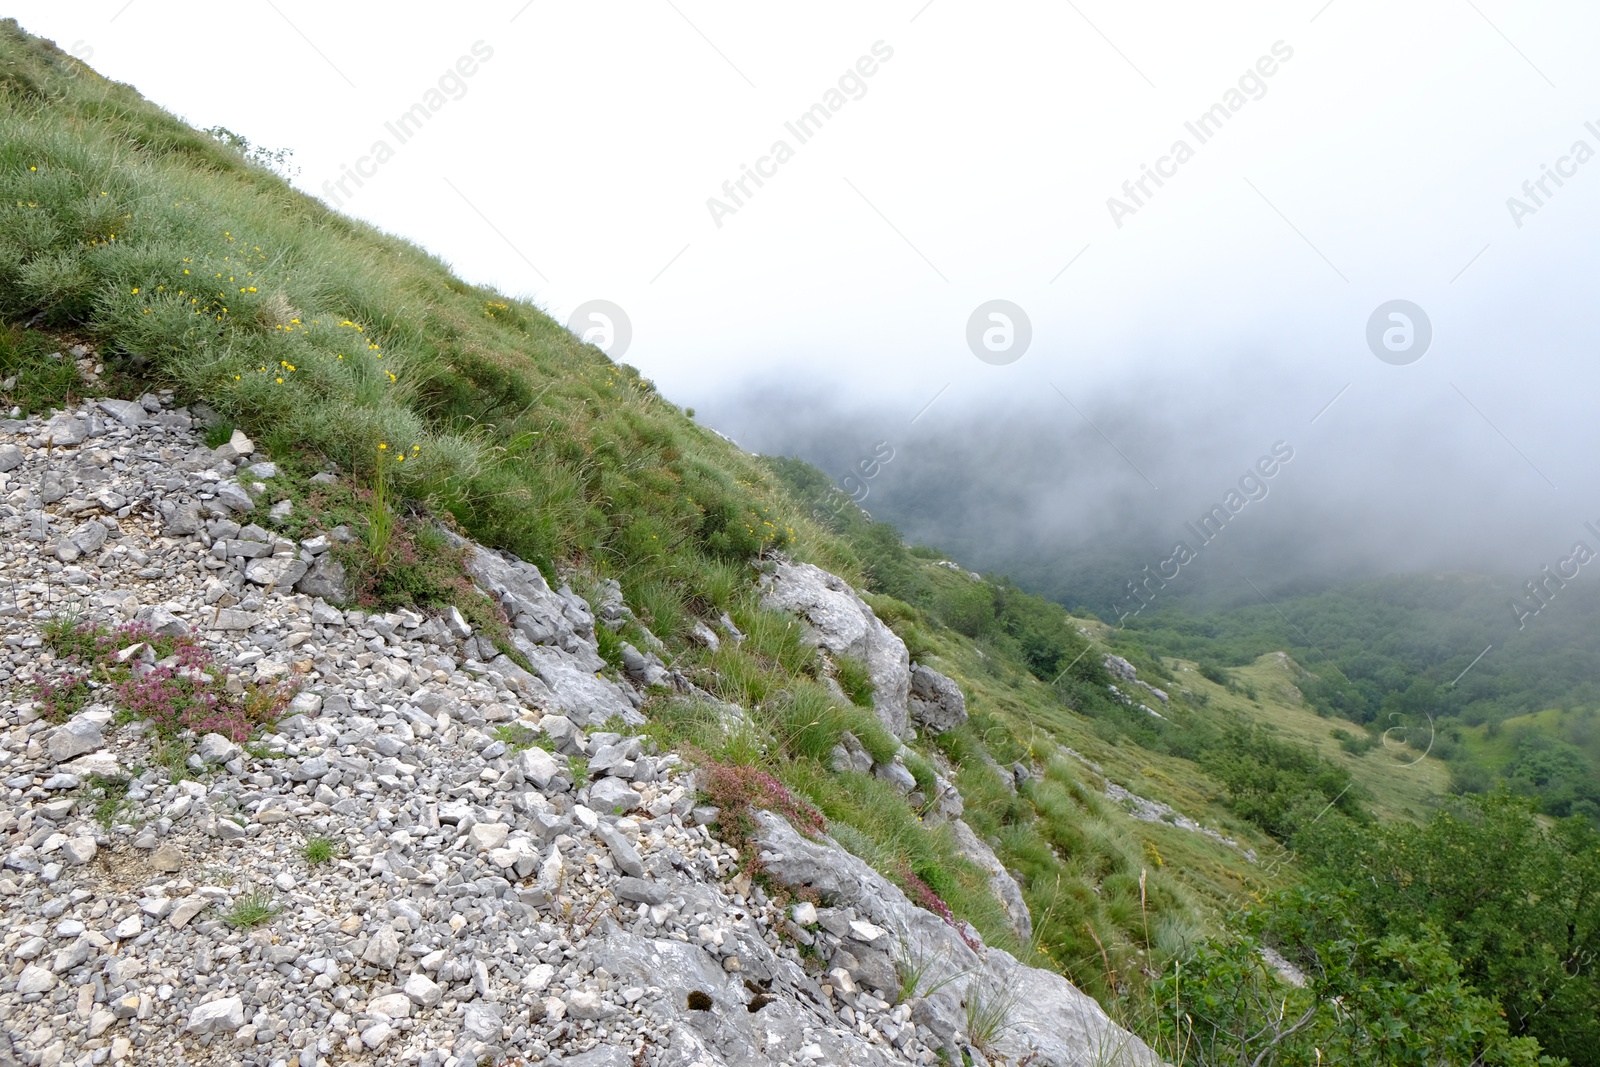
x=172, y=755
x=320, y=850
x=518, y=737
x=854, y=679
x=251, y=910
x=108, y=798
x=991, y=1014
x=922, y=970
x=578, y=767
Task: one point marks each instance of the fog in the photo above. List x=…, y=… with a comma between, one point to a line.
x=1191, y=212
x=1074, y=492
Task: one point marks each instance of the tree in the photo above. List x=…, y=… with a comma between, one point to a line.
x=1518, y=904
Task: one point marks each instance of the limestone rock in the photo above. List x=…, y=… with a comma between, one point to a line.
x=383, y=949
x=579, y=694
x=423, y=991
x=936, y=702
x=1055, y=1021
x=214, y=748
x=844, y=624
x=161, y=620
x=540, y=769
x=392, y=1005
x=35, y=980
x=325, y=578
x=278, y=571
x=639, y=890
x=612, y=794
x=66, y=430
x=73, y=738
x=701, y=634
x=130, y=413
x=167, y=858
x=1001, y=884
x=180, y=520
x=79, y=850
x=644, y=668
x=623, y=854
x=896, y=774
x=219, y=1016
x=540, y=614
x=234, y=498
x=849, y=755
x=89, y=538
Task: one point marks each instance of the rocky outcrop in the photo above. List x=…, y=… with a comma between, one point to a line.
x=1001, y=884
x=554, y=631
x=1118, y=667
x=935, y=702
x=841, y=622
x=1052, y=1021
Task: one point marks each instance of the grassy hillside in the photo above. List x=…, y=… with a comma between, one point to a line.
x=186, y=264
x=1437, y=659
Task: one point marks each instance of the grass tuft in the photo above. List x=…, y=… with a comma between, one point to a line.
x=251, y=910
x=320, y=850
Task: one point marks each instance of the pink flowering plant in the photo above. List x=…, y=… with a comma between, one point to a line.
x=739, y=790
x=171, y=681
x=923, y=896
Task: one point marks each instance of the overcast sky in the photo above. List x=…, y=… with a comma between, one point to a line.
x=1357, y=153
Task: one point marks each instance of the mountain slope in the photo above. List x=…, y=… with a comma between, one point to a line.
x=401, y=409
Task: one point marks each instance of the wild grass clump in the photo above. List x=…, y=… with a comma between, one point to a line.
x=251, y=910
x=320, y=850
x=991, y=1014
x=922, y=971
x=109, y=798
x=854, y=679
x=809, y=721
